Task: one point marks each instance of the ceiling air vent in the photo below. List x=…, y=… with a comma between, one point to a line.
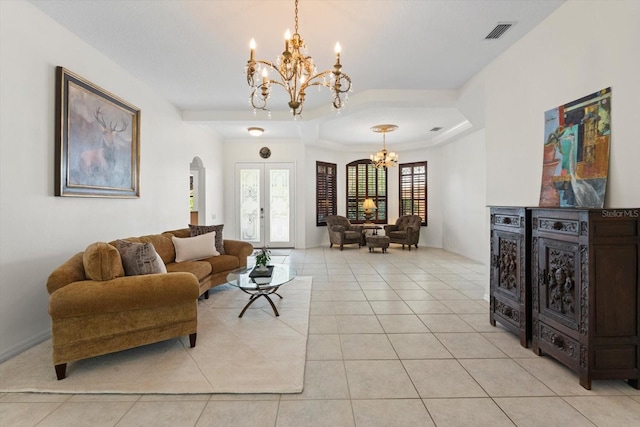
x=499, y=30
x=436, y=129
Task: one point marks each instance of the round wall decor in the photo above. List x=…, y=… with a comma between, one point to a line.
x=265, y=152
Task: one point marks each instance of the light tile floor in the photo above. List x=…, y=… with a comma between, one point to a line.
x=395, y=339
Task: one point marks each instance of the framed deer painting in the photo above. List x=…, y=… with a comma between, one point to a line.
x=97, y=141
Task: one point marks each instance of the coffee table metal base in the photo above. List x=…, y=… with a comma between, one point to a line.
x=261, y=287
x=261, y=293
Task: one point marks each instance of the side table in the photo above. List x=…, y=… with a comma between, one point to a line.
x=373, y=227
x=374, y=232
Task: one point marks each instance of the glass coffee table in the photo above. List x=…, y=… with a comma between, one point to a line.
x=258, y=287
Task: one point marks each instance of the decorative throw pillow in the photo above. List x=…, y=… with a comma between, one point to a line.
x=102, y=262
x=195, y=248
x=140, y=258
x=197, y=230
x=161, y=266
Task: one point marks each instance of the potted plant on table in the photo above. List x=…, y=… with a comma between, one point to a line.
x=263, y=256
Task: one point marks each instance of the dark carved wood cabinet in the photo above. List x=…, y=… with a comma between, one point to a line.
x=585, y=290
x=509, y=272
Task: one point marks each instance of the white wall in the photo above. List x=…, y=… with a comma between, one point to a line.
x=308, y=235
x=432, y=234
x=463, y=197
x=39, y=231
x=581, y=48
x=429, y=236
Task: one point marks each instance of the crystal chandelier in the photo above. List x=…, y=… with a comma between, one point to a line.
x=295, y=72
x=384, y=159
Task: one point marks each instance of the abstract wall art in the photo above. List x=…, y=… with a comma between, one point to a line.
x=577, y=138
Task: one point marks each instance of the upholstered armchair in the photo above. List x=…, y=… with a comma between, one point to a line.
x=342, y=232
x=405, y=231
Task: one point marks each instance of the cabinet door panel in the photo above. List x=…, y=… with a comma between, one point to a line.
x=559, y=263
x=507, y=265
x=616, y=291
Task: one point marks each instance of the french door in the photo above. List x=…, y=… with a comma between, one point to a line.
x=265, y=203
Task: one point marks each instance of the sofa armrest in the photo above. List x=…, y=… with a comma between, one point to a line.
x=71, y=271
x=390, y=227
x=413, y=233
x=123, y=294
x=238, y=249
x=337, y=229
x=356, y=228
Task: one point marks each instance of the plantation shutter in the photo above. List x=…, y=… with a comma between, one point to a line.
x=326, y=194
x=413, y=190
x=364, y=180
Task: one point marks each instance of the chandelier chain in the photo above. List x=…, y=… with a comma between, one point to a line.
x=296, y=16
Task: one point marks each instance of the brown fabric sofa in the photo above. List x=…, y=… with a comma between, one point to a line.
x=211, y=271
x=96, y=310
x=342, y=232
x=405, y=231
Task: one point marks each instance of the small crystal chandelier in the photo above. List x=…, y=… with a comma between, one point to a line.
x=295, y=73
x=384, y=159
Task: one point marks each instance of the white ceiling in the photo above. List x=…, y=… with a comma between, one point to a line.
x=406, y=58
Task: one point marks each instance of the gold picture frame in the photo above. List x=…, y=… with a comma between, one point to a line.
x=97, y=140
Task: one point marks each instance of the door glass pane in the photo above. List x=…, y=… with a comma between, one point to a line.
x=250, y=205
x=279, y=214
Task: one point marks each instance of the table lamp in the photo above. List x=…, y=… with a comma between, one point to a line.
x=368, y=206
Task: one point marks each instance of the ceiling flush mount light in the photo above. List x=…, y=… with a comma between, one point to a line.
x=254, y=131
x=383, y=158
x=295, y=71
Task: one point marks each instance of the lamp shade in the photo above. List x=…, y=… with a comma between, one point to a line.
x=368, y=204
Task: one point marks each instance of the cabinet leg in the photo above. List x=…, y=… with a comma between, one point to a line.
x=536, y=349
x=585, y=381
x=523, y=339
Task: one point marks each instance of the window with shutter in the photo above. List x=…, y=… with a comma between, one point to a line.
x=364, y=180
x=326, y=194
x=413, y=189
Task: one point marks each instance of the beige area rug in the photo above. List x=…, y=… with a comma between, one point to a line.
x=260, y=353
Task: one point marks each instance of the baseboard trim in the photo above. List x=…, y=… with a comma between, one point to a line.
x=25, y=345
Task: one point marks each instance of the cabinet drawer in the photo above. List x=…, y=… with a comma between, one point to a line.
x=565, y=226
x=559, y=345
x=506, y=312
x=507, y=220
